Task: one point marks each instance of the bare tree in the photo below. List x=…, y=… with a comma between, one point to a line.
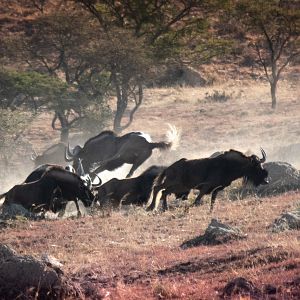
x=273, y=28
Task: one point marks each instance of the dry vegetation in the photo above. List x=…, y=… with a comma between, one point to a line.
x=131, y=254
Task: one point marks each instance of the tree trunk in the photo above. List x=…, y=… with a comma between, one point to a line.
x=122, y=101
x=64, y=130
x=273, y=93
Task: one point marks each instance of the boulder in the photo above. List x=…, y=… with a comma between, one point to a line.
x=242, y=287
x=283, y=178
x=216, y=233
x=26, y=276
x=13, y=210
x=287, y=221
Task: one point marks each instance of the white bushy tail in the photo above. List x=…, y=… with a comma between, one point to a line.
x=173, y=136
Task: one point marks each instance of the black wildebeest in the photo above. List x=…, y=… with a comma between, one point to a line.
x=131, y=190
x=108, y=151
x=37, y=173
x=208, y=175
x=52, y=155
x=39, y=194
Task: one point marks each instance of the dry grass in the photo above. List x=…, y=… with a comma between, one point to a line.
x=135, y=254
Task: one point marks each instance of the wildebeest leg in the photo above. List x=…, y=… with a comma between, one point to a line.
x=156, y=189
x=56, y=195
x=204, y=189
x=164, y=195
x=77, y=206
x=214, y=195
x=137, y=163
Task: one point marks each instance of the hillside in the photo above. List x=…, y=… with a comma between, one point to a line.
x=131, y=254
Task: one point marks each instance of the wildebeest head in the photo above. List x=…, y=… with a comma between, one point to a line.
x=54, y=155
x=71, y=154
x=257, y=174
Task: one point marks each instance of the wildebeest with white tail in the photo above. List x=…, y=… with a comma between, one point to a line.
x=208, y=175
x=107, y=151
x=39, y=194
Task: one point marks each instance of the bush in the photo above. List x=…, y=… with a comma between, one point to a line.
x=217, y=96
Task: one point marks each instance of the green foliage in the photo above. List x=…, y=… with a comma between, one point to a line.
x=11, y=122
x=28, y=84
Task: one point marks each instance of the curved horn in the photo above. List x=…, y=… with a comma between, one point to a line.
x=264, y=155
x=67, y=158
x=98, y=184
x=69, y=151
x=80, y=169
x=33, y=156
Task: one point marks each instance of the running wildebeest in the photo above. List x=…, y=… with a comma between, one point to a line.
x=108, y=151
x=52, y=155
x=131, y=190
x=128, y=191
x=39, y=194
x=208, y=175
x=37, y=173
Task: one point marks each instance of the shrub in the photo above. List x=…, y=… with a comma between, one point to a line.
x=217, y=96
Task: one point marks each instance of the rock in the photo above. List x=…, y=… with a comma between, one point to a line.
x=242, y=287
x=13, y=210
x=180, y=74
x=283, y=178
x=25, y=275
x=287, y=221
x=216, y=233
x=71, y=210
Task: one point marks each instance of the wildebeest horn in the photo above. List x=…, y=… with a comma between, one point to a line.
x=67, y=157
x=264, y=155
x=96, y=184
x=33, y=155
x=70, y=152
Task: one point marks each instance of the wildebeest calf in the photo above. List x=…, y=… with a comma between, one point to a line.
x=208, y=175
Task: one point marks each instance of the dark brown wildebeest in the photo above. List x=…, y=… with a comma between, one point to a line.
x=38, y=195
x=208, y=175
x=107, y=151
x=52, y=155
x=131, y=190
x=37, y=173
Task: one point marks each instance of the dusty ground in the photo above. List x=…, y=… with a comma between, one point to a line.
x=132, y=254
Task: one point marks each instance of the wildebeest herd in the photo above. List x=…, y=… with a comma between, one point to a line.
x=51, y=185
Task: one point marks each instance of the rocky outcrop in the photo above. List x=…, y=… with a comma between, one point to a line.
x=25, y=276
x=216, y=233
x=283, y=178
x=241, y=287
x=13, y=210
x=287, y=221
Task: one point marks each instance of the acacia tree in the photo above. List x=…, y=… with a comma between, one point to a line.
x=62, y=46
x=138, y=34
x=273, y=28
